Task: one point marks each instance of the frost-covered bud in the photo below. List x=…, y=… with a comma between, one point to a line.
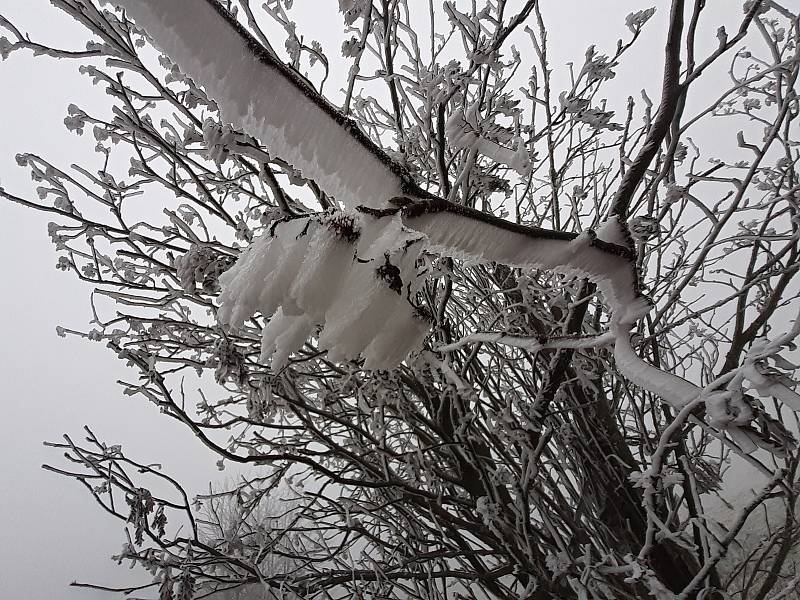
x=203, y=265
x=63, y=204
x=674, y=193
x=558, y=564
x=487, y=510
x=228, y=362
x=763, y=8
x=751, y=104
x=598, y=67
x=75, y=119
x=681, y=152
x=643, y=228
x=350, y=47
x=728, y=408
x=641, y=479
x=5, y=48
x=100, y=133
x=293, y=48
x=243, y=231
x=636, y=20
x=351, y=9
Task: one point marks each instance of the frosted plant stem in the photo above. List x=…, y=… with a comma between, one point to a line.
x=738, y=523
x=794, y=584
x=531, y=343
x=655, y=470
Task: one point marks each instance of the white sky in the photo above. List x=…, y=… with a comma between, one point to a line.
x=52, y=532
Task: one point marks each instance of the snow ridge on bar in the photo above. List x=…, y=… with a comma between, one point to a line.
x=259, y=94
x=463, y=232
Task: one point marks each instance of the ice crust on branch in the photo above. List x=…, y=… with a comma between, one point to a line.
x=351, y=274
x=257, y=93
x=462, y=232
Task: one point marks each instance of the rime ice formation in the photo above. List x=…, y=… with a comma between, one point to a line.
x=346, y=273
x=257, y=93
x=351, y=275
x=463, y=232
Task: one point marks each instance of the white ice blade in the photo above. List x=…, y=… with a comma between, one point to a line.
x=257, y=93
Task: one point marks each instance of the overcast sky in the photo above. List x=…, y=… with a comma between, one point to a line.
x=52, y=532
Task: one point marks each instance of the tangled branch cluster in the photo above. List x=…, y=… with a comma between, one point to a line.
x=508, y=457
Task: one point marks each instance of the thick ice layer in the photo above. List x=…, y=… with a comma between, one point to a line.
x=674, y=390
x=402, y=332
x=262, y=97
x=313, y=271
x=282, y=336
x=253, y=265
x=345, y=315
x=466, y=233
x=245, y=287
x=305, y=272
x=277, y=325
x=294, y=247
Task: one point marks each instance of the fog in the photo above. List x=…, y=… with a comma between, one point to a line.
x=52, y=532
